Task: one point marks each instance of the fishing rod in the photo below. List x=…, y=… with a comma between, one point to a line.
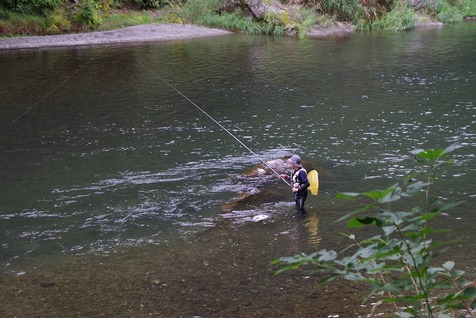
x=50, y=93
x=215, y=121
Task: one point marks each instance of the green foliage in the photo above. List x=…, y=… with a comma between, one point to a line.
x=281, y=19
x=400, y=18
x=445, y=11
x=194, y=10
x=61, y=16
x=302, y=18
x=131, y=18
x=343, y=10
x=89, y=13
x=15, y=24
x=149, y=3
x=448, y=13
x=466, y=7
x=58, y=22
x=171, y=18
x=399, y=264
x=31, y=7
x=236, y=21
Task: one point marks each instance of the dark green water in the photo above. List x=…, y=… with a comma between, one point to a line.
x=107, y=156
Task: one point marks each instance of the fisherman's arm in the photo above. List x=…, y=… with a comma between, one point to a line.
x=305, y=181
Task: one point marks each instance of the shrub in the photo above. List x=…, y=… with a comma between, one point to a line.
x=26, y=25
x=117, y=21
x=400, y=18
x=149, y=3
x=399, y=264
x=236, y=21
x=32, y=7
x=89, y=13
x=446, y=13
x=194, y=10
x=58, y=22
x=466, y=7
x=343, y=10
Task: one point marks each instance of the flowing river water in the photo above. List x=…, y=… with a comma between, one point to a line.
x=103, y=163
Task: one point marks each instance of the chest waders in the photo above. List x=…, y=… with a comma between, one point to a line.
x=301, y=195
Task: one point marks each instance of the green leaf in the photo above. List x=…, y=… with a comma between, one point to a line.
x=354, y=277
x=362, y=209
x=360, y=222
x=444, y=285
x=452, y=148
x=300, y=258
x=326, y=256
x=457, y=273
x=434, y=154
x=287, y=268
x=435, y=270
x=354, y=223
x=463, y=283
x=415, y=187
x=371, y=240
x=449, y=205
x=470, y=292
x=347, y=195
x=428, y=154
x=328, y=279
x=388, y=230
x=390, y=194
x=449, y=265
x=393, y=254
x=390, y=288
x=429, y=216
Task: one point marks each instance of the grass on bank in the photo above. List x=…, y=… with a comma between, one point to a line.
x=90, y=15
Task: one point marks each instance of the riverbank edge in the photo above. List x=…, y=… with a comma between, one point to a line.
x=147, y=33
x=129, y=35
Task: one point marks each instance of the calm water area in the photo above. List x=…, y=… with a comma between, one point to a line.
x=99, y=155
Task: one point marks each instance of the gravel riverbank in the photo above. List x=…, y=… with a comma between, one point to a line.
x=133, y=34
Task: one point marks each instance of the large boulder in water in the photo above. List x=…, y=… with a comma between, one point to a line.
x=278, y=166
x=272, y=168
x=258, y=176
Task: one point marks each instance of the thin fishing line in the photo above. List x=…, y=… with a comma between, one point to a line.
x=51, y=92
x=213, y=119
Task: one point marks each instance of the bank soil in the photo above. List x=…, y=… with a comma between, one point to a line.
x=225, y=272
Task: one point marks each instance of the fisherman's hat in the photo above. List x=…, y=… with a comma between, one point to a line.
x=295, y=160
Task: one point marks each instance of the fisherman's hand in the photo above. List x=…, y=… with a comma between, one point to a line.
x=282, y=176
x=294, y=189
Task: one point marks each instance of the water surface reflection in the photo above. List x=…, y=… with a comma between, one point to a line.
x=115, y=158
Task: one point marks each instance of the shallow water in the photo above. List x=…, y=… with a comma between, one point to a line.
x=100, y=154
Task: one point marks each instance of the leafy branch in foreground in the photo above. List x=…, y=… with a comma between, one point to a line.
x=398, y=265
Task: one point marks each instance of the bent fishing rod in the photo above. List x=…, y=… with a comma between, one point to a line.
x=215, y=121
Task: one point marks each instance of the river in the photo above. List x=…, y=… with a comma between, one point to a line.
x=100, y=155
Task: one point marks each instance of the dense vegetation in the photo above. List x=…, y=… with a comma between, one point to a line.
x=37, y=17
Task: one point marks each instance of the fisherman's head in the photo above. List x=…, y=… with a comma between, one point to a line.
x=295, y=161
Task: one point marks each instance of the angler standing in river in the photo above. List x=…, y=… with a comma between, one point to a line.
x=299, y=182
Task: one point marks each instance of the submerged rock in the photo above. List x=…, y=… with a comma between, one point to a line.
x=278, y=166
x=256, y=177
x=234, y=203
